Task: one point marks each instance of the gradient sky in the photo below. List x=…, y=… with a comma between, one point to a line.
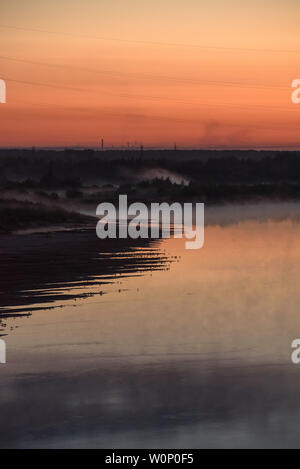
x=214, y=73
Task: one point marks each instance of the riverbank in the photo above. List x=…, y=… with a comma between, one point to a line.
x=16, y=215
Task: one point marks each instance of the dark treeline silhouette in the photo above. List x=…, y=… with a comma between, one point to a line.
x=213, y=176
x=71, y=167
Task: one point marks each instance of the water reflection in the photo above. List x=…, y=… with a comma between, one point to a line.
x=39, y=270
x=197, y=355
x=178, y=405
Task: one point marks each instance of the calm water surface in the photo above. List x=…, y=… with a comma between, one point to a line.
x=146, y=344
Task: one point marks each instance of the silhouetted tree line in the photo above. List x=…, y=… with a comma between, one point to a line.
x=212, y=175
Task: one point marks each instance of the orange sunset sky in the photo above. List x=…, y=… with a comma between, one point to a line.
x=214, y=73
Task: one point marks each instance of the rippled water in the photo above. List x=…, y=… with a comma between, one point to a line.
x=146, y=344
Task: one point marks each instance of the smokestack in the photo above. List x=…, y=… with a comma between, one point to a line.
x=102, y=144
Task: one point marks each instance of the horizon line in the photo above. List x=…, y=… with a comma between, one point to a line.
x=171, y=147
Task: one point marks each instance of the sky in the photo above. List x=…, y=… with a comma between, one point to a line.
x=197, y=73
